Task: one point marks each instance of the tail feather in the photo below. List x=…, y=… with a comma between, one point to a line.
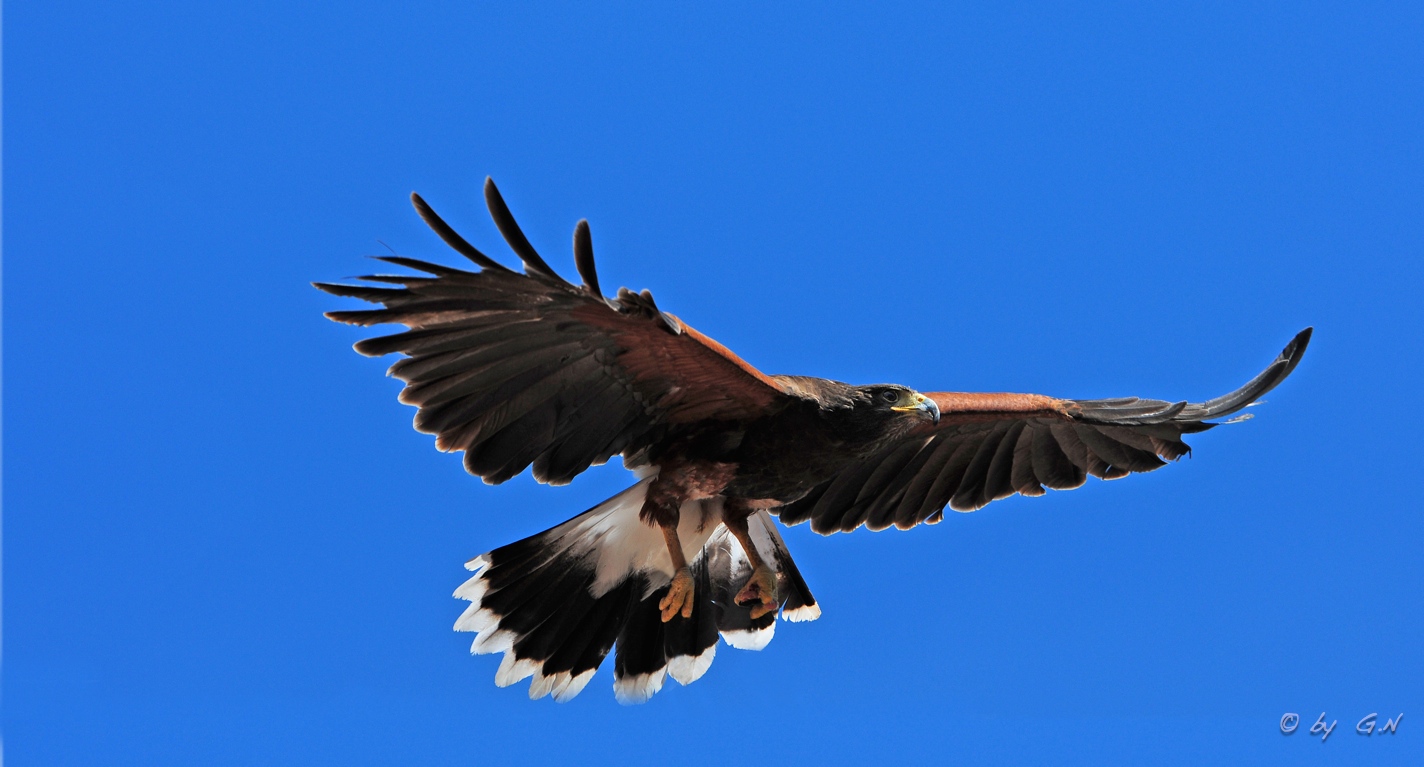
x=558, y=602
x=650, y=650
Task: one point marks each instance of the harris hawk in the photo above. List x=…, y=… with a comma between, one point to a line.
x=520, y=369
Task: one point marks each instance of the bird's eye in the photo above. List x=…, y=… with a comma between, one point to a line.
x=890, y=396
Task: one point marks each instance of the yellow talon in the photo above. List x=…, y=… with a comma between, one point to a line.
x=761, y=590
x=679, y=596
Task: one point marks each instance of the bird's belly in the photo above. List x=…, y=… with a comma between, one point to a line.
x=780, y=477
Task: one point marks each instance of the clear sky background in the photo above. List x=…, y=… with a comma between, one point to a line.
x=225, y=545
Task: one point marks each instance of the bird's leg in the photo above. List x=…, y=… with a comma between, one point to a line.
x=760, y=591
x=679, y=599
x=662, y=507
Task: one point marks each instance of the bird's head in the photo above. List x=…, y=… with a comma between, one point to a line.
x=900, y=402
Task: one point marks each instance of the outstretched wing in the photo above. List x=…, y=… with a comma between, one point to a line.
x=515, y=369
x=990, y=446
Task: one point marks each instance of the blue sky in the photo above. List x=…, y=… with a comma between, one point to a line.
x=224, y=544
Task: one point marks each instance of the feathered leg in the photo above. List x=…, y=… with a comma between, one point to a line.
x=679, y=599
x=662, y=508
x=760, y=591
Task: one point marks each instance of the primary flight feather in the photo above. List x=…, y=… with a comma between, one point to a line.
x=521, y=370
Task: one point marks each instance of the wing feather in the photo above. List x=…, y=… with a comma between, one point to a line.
x=907, y=511
x=990, y=446
x=518, y=369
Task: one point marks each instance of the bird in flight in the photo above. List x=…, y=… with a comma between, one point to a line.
x=520, y=369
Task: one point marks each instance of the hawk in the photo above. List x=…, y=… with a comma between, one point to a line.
x=520, y=369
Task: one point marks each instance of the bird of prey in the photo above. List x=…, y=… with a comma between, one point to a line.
x=520, y=369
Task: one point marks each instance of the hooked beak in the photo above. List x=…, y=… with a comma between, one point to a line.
x=931, y=407
x=923, y=404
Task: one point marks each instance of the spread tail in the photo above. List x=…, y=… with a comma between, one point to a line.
x=555, y=603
